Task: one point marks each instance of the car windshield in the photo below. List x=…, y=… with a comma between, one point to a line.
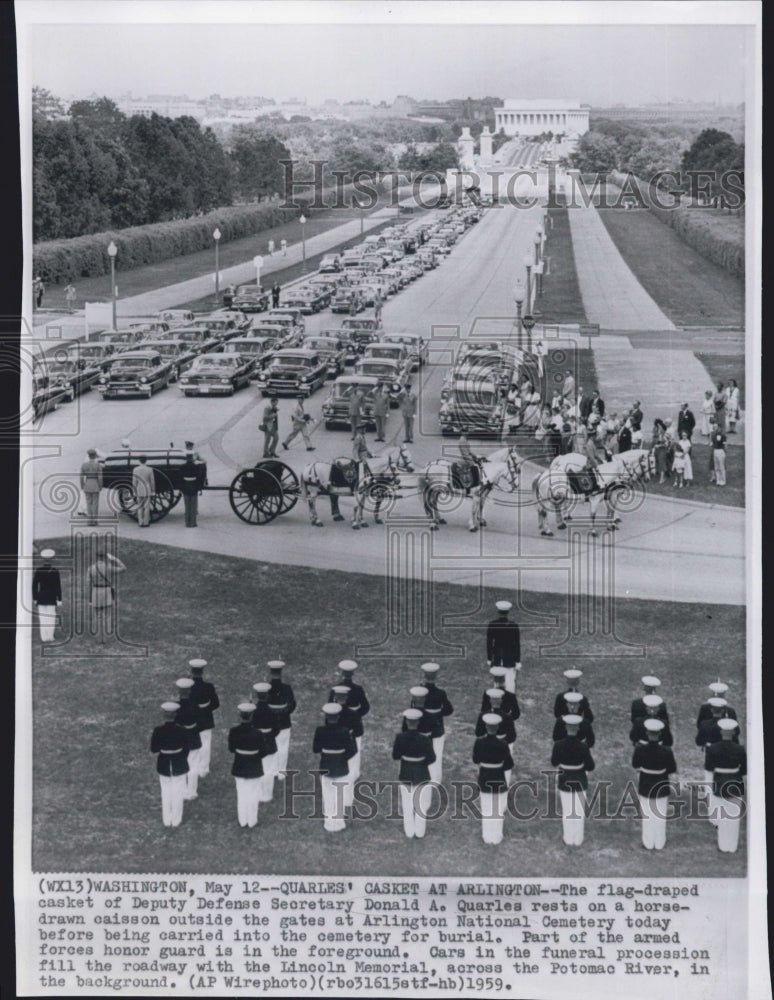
x=248, y=290
x=216, y=361
x=244, y=347
x=385, y=352
x=130, y=364
x=344, y=391
x=292, y=361
x=322, y=344
x=376, y=368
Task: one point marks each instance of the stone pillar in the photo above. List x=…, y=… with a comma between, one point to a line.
x=485, y=143
x=465, y=146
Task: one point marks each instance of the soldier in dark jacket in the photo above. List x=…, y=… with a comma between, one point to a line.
x=283, y=703
x=190, y=485
x=639, y=734
x=509, y=703
x=506, y=730
x=351, y=721
x=494, y=763
x=562, y=706
x=416, y=755
x=718, y=689
x=171, y=742
x=204, y=695
x=655, y=763
x=574, y=760
x=650, y=685
x=727, y=761
x=574, y=700
x=189, y=718
x=357, y=700
x=426, y=724
x=248, y=748
x=437, y=707
x=336, y=747
x=503, y=644
x=47, y=594
x=265, y=721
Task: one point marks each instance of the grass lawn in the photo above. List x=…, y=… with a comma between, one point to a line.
x=96, y=795
x=561, y=300
x=703, y=490
x=690, y=289
x=721, y=368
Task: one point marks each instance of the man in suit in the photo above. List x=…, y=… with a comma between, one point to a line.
x=650, y=685
x=91, y=484
x=283, y=704
x=573, y=759
x=408, y=407
x=205, y=697
x=265, y=721
x=597, y=405
x=47, y=594
x=415, y=753
x=572, y=675
x=381, y=410
x=246, y=744
x=636, y=417
x=336, y=748
x=270, y=429
x=503, y=644
x=357, y=701
x=437, y=707
x=654, y=709
x=171, y=743
x=726, y=760
x=189, y=717
x=655, y=763
x=494, y=762
x=144, y=486
x=686, y=421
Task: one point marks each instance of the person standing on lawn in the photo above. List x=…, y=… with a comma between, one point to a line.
x=684, y=445
x=206, y=699
x=265, y=721
x=336, y=747
x=282, y=702
x=503, y=644
x=494, y=762
x=707, y=412
x=654, y=763
x=189, y=718
x=685, y=421
x=91, y=484
x=415, y=752
x=190, y=487
x=70, y=294
x=246, y=744
x=101, y=582
x=718, y=445
x=171, y=744
x=726, y=760
x=573, y=759
x=732, y=407
x=720, y=402
x=47, y=594
x=300, y=419
x=269, y=426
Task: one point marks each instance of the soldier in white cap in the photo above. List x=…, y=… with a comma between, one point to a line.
x=562, y=707
x=651, y=685
x=425, y=726
x=573, y=759
x=47, y=594
x=206, y=699
x=653, y=704
x=506, y=731
x=188, y=719
x=170, y=742
x=248, y=748
x=265, y=721
x=357, y=700
x=727, y=760
x=336, y=747
x=283, y=703
x=437, y=707
x=494, y=762
x=655, y=763
x=719, y=690
x=709, y=732
x=416, y=755
x=509, y=704
x=351, y=721
x=503, y=644
x=574, y=701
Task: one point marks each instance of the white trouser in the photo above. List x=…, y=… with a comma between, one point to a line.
x=572, y=816
x=654, y=817
x=729, y=812
x=510, y=678
x=172, y=795
x=205, y=752
x=415, y=804
x=283, y=747
x=436, y=769
x=247, y=790
x=192, y=778
x=47, y=621
x=333, y=792
x=266, y=792
x=492, y=816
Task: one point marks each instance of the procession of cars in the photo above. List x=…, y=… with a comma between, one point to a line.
x=220, y=352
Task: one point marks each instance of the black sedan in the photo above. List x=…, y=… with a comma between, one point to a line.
x=74, y=376
x=250, y=298
x=217, y=375
x=179, y=353
x=136, y=373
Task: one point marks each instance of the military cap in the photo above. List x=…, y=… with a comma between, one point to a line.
x=717, y=702
x=341, y=689
x=650, y=682
x=418, y=692
x=170, y=706
x=492, y=719
x=728, y=724
x=430, y=668
x=652, y=700
x=412, y=714
x=189, y=445
x=573, y=697
x=573, y=674
x=497, y=671
x=654, y=725
x=184, y=683
x=245, y=708
x=262, y=687
x=572, y=720
x=331, y=708
x=197, y=665
x=47, y=554
x=275, y=665
x=718, y=688
x=503, y=605
x=92, y=452
x=347, y=666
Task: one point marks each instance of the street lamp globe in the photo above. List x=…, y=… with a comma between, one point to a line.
x=112, y=249
x=528, y=261
x=518, y=293
x=302, y=220
x=216, y=235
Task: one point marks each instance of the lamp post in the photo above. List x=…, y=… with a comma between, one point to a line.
x=538, y=244
x=529, y=265
x=518, y=298
x=302, y=220
x=112, y=251
x=216, y=237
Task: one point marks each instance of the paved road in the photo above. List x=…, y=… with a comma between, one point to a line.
x=662, y=550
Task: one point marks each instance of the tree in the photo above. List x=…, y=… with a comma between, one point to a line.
x=716, y=152
x=596, y=153
x=45, y=105
x=255, y=158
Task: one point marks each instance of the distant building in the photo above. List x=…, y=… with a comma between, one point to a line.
x=523, y=117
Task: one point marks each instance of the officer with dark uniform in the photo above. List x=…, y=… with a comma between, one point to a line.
x=655, y=764
x=189, y=717
x=351, y=721
x=506, y=731
x=709, y=732
x=503, y=644
x=283, y=703
x=336, y=748
x=416, y=755
x=638, y=733
x=47, y=594
x=437, y=707
x=572, y=676
x=573, y=759
x=190, y=484
x=719, y=690
x=265, y=721
x=206, y=699
x=574, y=700
x=426, y=725
x=171, y=743
x=727, y=761
x=494, y=762
x=509, y=703
x=248, y=748
x=356, y=699
x=651, y=685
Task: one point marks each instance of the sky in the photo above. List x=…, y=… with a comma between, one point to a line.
x=596, y=64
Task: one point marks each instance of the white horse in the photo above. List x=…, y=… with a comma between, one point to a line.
x=445, y=478
x=632, y=464
x=346, y=477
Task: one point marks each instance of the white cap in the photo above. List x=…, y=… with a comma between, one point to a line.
x=331, y=708
x=652, y=700
x=340, y=689
x=275, y=664
x=572, y=720
x=430, y=668
x=491, y=719
x=170, y=706
x=47, y=554
x=728, y=724
x=651, y=682
x=573, y=697
x=197, y=664
x=245, y=707
x=262, y=687
x=503, y=605
x=717, y=702
x=418, y=692
x=495, y=694
x=184, y=683
x=347, y=665
x=497, y=671
x=654, y=725
x=718, y=688
x=412, y=713
x=573, y=674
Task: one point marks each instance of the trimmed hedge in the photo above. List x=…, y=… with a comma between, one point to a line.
x=715, y=235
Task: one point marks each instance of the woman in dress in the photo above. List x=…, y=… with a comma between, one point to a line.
x=707, y=411
x=720, y=400
x=530, y=406
x=101, y=581
x=660, y=446
x=732, y=405
x=684, y=447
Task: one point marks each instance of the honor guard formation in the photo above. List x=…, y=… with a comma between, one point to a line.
x=260, y=743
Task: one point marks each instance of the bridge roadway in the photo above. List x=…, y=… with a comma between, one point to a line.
x=674, y=550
